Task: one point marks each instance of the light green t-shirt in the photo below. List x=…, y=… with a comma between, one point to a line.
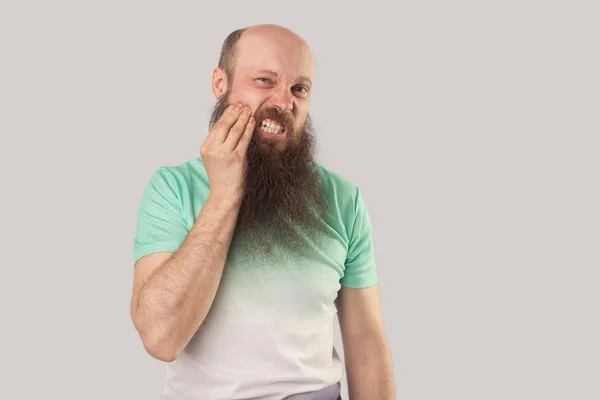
x=269, y=332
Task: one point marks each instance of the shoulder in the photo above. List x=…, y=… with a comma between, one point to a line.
x=183, y=180
x=339, y=189
x=186, y=173
x=334, y=181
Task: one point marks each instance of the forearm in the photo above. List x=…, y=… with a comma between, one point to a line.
x=176, y=298
x=369, y=370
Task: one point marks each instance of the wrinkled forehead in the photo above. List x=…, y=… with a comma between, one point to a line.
x=288, y=57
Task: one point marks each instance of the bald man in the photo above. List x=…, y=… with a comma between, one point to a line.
x=244, y=255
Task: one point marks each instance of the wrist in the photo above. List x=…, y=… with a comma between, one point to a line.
x=229, y=201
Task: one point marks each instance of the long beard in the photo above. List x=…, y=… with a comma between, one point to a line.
x=284, y=209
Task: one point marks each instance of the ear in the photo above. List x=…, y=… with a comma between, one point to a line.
x=219, y=82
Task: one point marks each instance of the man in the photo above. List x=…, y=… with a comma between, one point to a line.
x=244, y=256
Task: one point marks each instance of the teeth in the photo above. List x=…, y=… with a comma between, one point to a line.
x=271, y=127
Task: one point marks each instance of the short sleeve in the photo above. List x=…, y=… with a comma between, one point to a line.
x=360, y=269
x=160, y=223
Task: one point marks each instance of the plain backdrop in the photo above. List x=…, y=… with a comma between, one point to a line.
x=471, y=127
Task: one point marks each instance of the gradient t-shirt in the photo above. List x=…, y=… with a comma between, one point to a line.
x=269, y=333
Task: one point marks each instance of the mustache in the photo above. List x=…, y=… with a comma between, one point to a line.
x=284, y=118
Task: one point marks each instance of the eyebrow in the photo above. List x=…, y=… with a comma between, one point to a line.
x=273, y=73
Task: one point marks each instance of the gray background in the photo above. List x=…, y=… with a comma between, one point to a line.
x=471, y=127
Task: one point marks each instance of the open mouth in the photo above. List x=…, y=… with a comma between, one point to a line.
x=272, y=127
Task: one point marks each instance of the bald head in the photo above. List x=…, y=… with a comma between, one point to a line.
x=252, y=35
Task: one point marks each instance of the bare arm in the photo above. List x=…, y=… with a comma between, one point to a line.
x=173, y=292
x=366, y=352
x=172, y=302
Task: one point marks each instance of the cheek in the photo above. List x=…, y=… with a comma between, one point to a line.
x=301, y=117
x=248, y=96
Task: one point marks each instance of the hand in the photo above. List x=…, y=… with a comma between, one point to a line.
x=224, y=152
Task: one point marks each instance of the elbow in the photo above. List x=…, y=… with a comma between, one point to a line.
x=156, y=342
x=159, y=348
x=161, y=353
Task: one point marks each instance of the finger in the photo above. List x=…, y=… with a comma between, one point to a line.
x=237, y=130
x=242, y=146
x=211, y=133
x=227, y=120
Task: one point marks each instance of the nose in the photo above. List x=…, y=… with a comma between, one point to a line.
x=283, y=100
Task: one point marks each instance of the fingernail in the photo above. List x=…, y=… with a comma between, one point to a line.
x=229, y=108
x=238, y=106
x=246, y=110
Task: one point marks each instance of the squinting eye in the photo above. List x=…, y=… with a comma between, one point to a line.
x=264, y=79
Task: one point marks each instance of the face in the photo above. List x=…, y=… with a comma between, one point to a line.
x=283, y=206
x=273, y=76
